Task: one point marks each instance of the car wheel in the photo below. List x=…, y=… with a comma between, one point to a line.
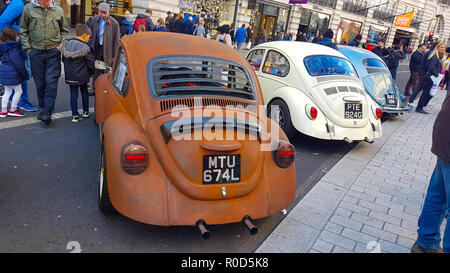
x=282, y=116
x=104, y=201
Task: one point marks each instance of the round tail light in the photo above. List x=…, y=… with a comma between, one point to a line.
x=134, y=158
x=284, y=155
x=379, y=113
x=311, y=111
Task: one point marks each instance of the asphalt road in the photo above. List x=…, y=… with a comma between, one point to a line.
x=48, y=193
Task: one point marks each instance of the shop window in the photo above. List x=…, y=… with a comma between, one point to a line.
x=255, y=58
x=276, y=64
x=120, y=74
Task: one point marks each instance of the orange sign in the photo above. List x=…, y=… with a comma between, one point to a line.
x=404, y=20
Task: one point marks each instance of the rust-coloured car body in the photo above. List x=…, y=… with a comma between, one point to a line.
x=170, y=191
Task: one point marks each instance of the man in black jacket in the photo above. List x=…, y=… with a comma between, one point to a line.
x=249, y=36
x=414, y=66
x=395, y=55
x=379, y=48
x=179, y=24
x=172, y=20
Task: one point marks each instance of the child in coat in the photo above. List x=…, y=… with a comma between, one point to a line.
x=12, y=70
x=78, y=67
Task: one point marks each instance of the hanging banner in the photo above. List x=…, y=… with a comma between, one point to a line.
x=404, y=20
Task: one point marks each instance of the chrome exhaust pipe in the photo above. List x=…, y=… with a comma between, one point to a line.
x=368, y=140
x=201, y=225
x=348, y=140
x=253, y=229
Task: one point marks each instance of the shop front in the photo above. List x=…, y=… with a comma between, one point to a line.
x=347, y=31
x=215, y=12
x=78, y=11
x=377, y=33
x=269, y=19
x=313, y=24
x=403, y=37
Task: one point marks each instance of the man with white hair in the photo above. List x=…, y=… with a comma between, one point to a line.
x=189, y=26
x=43, y=29
x=105, y=37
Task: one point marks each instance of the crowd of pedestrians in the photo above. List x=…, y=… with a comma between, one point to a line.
x=42, y=45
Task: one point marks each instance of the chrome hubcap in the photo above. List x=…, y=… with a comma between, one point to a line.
x=278, y=115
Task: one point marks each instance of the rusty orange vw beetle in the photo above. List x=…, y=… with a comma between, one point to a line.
x=182, y=140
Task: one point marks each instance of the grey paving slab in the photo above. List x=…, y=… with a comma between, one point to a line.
x=290, y=237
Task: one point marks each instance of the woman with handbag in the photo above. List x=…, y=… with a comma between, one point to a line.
x=434, y=65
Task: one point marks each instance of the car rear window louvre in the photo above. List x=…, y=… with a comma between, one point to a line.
x=330, y=91
x=343, y=89
x=353, y=89
x=167, y=105
x=196, y=76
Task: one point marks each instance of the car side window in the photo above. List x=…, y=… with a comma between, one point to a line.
x=120, y=73
x=276, y=64
x=255, y=58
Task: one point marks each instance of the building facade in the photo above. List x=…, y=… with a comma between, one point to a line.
x=373, y=19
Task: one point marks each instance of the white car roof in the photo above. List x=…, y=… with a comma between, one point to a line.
x=301, y=50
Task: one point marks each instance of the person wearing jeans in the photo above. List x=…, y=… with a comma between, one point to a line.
x=46, y=70
x=43, y=29
x=11, y=18
x=79, y=62
x=437, y=201
x=74, y=101
x=241, y=35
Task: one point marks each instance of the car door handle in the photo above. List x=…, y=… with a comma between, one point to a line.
x=352, y=99
x=222, y=147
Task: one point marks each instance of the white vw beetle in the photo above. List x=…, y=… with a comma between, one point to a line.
x=317, y=91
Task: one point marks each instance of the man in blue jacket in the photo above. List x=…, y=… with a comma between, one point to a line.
x=11, y=18
x=241, y=35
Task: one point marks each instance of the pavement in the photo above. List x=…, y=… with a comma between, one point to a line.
x=370, y=201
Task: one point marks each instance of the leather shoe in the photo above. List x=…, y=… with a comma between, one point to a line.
x=421, y=111
x=418, y=249
x=45, y=116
